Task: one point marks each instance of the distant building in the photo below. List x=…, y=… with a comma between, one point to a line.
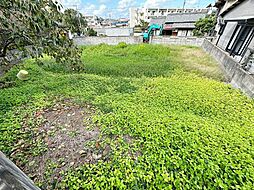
x=177, y=24
x=114, y=32
x=122, y=22
x=93, y=20
x=235, y=28
x=146, y=14
x=108, y=22
x=136, y=15
x=181, y=24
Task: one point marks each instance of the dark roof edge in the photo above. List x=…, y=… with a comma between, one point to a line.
x=232, y=7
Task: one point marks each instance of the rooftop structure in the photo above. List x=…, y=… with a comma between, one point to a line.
x=147, y=14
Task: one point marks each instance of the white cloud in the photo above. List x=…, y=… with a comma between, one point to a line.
x=101, y=10
x=87, y=9
x=104, y=1
x=154, y=3
x=192, y=2
x=124, y=5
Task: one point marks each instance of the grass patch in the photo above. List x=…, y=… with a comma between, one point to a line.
x=166, y=117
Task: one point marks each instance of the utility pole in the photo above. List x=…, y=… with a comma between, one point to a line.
x=184, y=3
x=78, y=15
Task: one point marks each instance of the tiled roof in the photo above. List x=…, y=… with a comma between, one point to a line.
x=184, y=17
x=179, y=26
x=159, y=21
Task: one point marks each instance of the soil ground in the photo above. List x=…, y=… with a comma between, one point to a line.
x=67, y=129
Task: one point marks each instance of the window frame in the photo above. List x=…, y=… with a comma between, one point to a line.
x=237, y=38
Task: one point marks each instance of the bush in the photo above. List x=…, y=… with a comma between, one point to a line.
x=91, y=32
x=205, y=26
x=122, y=45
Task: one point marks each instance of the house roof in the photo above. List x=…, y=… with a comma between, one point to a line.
x=244, y=18
x=184, y=17
x=159, y=21
x=221, y=3
x=179, y=26
x=184, y=25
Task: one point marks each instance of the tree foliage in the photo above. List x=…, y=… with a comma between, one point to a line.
x=143, y=24
x=91, y=32
x=205, y=25
x=75, y=20
x=33, y=28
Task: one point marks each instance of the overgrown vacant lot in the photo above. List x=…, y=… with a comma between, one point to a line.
x=141, y=117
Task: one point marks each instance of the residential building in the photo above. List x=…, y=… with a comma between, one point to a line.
x=122, y=22
x=179, y=24
x=235, y=29
x=136, y=15
x=146, y=14
x=93, y=20
x=114, y=32
x=108, y=22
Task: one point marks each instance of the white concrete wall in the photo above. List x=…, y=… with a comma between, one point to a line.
x=114, y=31
x=138, y=40
x=243, y=10
x=107, y=40
x=119, y=31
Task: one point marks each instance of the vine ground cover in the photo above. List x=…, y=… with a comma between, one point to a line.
x=164, y=115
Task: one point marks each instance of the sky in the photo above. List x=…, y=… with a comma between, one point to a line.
x=120, y=8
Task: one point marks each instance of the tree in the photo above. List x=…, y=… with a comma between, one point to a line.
x=34, y=28
x=75, y=20
x=143, y=24
x=91, y=32
x=205, y=25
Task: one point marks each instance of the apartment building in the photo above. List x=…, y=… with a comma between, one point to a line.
x=146, y=14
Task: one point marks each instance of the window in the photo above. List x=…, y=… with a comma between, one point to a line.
x=233, y=38
x=222, y=28
x=243, y=41
x=240, y=39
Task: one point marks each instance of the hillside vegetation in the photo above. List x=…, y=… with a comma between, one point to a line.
x=166, y=117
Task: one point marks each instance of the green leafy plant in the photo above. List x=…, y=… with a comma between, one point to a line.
x=205, y=26
x=33, y=29
x=91, y=32
x=75, y=20
x=167, y=126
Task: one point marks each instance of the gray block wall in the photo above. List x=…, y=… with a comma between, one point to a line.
x=238, y=77
x=94, y=40
x=193, y=41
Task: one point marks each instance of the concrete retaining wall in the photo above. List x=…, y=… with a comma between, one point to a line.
x=238, y=77
x=11, y=177
x=107, y=40
x=193, y=41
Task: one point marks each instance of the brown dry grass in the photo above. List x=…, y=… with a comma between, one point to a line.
x=195, y=59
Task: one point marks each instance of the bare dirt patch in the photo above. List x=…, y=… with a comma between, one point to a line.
x=67, y=130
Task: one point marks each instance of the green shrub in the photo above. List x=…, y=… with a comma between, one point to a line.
x=122, y=45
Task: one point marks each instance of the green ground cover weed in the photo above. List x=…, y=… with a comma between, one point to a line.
x=169, y=120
